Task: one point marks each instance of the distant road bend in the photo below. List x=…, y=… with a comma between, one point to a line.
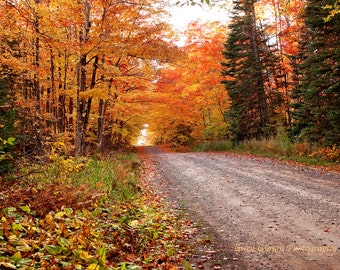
x=265, y=214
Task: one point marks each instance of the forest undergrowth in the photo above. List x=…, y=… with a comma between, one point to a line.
x=87, y=213
x=281, y=147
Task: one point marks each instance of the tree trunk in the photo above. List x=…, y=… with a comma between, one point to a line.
x=101, y=121
x=83, y=106
x=101, y=117
x=258, y=78
x=36, y=84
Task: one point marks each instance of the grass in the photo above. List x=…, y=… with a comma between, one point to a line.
x=279, y=147
x=117, y=176
x=214, y=146
x=79, y=213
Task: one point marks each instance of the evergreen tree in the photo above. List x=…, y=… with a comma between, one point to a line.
x=7, y=119
x=316, y=97
x=249, y=69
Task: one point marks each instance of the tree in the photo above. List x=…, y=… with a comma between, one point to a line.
x=250, y=69
x=334, y=9
x=76, y=61
x=190, y=101
x=316, y=100
x=7, y=119
x=283, y=22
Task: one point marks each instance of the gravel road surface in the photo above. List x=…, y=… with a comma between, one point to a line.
x=253, y=212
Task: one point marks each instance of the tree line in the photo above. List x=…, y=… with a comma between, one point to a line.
x=91, y=73
x=75, y=70
x=286, y=75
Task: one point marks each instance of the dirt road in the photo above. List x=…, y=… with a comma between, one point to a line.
x=262, y=214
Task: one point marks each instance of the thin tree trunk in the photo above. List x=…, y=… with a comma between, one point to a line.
x=101, y=121
x=101, y=116
x=260, y=89
x=83, y=106
x=36, y=84
x=52, y=94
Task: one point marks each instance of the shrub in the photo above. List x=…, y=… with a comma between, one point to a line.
x=327, y=154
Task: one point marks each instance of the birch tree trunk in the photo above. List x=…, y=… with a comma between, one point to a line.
x=83, y=105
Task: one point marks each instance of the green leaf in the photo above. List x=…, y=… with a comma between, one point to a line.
x=68, y=211
x=11, y=140
x=102, y=256
x=170, y=252
x=17, y=227
x=10, y=211
x=53, y=250
x=24, y=261
x=65, y=264
x=128, y=266
x=96, y=212
x=63, y=242
x=16, y=258
x=187, y=265
x=26, y=209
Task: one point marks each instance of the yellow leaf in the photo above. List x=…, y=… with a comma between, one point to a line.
x=93, y=266
x=49, y=219
x=8, y=265
x=17, y=257
x=134, y=223
x=81, y=239
x=13, y=238
x=60, y=214
x=84, y=255
x=23, y=245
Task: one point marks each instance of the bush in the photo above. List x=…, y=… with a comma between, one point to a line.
x=5, y=155
x=77, y=213
x=279, y=146
x=331, y=154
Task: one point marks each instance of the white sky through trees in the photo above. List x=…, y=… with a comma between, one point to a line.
x=181, y=16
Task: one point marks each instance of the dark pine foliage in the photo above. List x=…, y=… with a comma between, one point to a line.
x=316, y=97
x=249, y=69
x=7, y=121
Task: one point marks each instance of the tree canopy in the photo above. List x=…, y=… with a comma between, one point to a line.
x=91, y=73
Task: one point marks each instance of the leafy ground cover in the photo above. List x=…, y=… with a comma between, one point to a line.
x=87, y=214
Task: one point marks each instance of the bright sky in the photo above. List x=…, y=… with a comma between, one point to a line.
x=182, y=16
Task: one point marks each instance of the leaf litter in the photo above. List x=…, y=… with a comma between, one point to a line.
x=60, y=226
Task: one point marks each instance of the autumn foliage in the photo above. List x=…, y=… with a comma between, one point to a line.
x=190, y=102
x=79, y=68
x=107, y=220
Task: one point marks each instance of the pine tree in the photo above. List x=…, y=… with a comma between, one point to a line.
x=249, y=68
x=316, y=97
x=7, y=119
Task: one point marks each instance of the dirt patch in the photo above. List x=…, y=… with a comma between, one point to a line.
x=253, y=213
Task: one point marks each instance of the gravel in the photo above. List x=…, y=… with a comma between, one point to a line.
x=253, y=212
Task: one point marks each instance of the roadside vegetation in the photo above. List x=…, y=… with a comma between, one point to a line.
x=72, y=85
x=279, y=146
x=86, y=213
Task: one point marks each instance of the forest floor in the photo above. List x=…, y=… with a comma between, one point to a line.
x=251, y=212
